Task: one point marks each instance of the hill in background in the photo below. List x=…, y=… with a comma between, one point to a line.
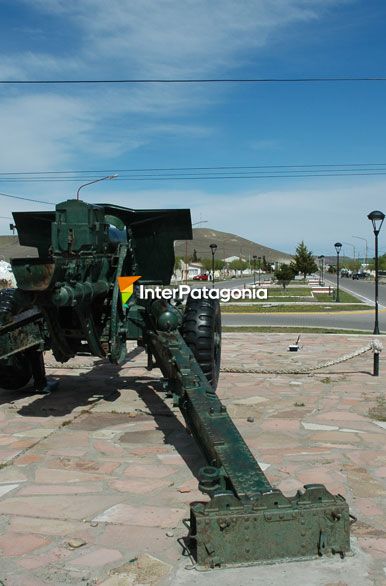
x=10, y=248
x=227, y=245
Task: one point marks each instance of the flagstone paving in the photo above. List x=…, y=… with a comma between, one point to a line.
x=96, y=478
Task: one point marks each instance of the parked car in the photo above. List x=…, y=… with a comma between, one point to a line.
x=357, y=276
x=202, y=277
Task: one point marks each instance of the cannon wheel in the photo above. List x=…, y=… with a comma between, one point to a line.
x=201, y=330
x=16, y=371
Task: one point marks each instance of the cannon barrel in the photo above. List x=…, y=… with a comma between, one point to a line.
x=68, y=295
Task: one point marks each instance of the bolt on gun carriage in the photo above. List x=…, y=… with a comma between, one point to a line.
x=68, y=300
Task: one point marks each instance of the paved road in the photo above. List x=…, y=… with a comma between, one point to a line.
x=363, y=289
x=349, y=320
x=361, y=321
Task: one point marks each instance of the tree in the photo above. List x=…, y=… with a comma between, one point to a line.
x=303, y=261
x=381, y=263
x=238, y=265
x=219, y=264
x=352, y=264
x=207, y=264
x=284, y=275
x=265, y=266
x=177, y=262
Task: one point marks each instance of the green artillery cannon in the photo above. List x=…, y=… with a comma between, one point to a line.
x=68, y=300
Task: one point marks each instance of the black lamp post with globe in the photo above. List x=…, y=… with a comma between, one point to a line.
x=338, y=248
x=254, y=269
x=213, y=248
x=376, y=218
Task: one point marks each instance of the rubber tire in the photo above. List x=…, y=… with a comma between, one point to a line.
x=201, y=330
x=7, y=305
x=15, y=373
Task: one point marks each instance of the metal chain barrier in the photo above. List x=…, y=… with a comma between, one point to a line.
x=374, y=345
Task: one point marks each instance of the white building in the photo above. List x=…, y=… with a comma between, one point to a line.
x=187, y=271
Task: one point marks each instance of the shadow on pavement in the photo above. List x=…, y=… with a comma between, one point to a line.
x=102, y=382
x=175, y=433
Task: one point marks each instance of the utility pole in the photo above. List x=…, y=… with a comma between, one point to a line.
x=366, y=246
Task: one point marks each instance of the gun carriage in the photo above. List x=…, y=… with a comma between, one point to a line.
x=68, y=300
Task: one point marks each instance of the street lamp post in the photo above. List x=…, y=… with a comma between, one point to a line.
x=321, y=258
x=338, y=247
x=366, y=246
x=376, y=218
x=213, y=248
x=186, y=251
x=94, y=181
x=254, y=269
x=352, y=246
x=259, y=259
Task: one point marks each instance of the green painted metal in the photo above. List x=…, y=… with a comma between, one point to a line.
x=83, y=249
x=247, y=520
x=272, y=528
x=70, y=302
x=27, y=331
x=20, y=328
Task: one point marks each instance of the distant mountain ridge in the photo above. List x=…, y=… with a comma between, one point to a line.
x=10, y=248
x=227, y=245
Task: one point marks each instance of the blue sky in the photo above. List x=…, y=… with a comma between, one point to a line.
x=120, y=127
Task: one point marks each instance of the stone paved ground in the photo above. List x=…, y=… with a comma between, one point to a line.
x=97, y=478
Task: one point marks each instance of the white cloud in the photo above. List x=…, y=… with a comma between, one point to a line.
x=170, y=37
x=183, y=38
x=277, y=218
x=42, y=130
x=49, y=128
x=25, y=65
x=130, y=38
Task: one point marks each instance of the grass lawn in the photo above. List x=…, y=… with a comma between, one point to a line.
x=301, y=294
x=290, y=292
x=319, y=308
x=343, y=296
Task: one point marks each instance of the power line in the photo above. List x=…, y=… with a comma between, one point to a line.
x=25, y=198
x=255, y=80
x=199, y=177
x=324, y=170
x=145, y=169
